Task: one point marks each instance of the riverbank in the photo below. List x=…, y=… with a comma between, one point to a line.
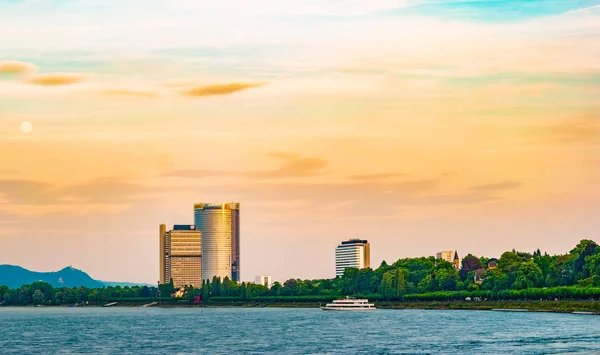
x=534, y=306
x=584, y=307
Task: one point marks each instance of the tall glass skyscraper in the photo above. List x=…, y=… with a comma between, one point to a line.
x=220, y=226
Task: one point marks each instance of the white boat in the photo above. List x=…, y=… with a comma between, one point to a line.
x=349, y=304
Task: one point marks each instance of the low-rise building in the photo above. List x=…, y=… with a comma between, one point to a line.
x=449, y=256
x=264, y=280
x=478, y=278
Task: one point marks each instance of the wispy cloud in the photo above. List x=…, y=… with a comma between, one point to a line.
x=56, y=79
x=579, y=129
x=16, y=67
x=219, y=89
x=128, y=93
x=500, y=186
x=368, y=177
x=283, y=155
x=293, y=166
x=583, y=9
x=97, y=191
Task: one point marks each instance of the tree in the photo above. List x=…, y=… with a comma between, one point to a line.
x=578, y=254
x=243, y=290
x=275, y=288
x=469, y=263
x=386, y=287
x=166, y=290
x=592, y=263
x=10, y=297
x=24, y=296
x=145, y=291
x=400, y=282
x=205, y=290
x=226, y=286
x=3, y=291
x=215, y=289
x=58, y=298
x=38, y=297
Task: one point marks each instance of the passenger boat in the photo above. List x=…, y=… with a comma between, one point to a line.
x=349, y=304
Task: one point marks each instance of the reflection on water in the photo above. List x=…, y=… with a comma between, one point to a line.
x=292, y=331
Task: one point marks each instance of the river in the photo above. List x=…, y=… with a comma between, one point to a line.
x=92, y=330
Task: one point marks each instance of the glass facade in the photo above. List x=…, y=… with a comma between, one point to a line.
x=220, y=226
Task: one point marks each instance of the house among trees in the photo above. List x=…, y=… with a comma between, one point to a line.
x=478, y=279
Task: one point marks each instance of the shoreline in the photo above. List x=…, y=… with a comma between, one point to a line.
x=571, y=307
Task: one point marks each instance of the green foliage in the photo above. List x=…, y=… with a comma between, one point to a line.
x=38, y=297
x=166, y=290
x=519, y=276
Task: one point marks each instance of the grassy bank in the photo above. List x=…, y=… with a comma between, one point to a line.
x=563, y=306
x=547, y=306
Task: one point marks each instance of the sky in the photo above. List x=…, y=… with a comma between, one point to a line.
x=419, y=125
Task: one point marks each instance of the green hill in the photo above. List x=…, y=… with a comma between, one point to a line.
x=15, y=276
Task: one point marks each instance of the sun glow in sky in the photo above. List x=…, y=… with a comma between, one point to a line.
x=420, y=125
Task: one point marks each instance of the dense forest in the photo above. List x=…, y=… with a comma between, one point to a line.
x=515, y=275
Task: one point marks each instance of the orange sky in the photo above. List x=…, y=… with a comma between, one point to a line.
x=418, y=128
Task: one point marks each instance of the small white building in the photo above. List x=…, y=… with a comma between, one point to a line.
x=264, y=280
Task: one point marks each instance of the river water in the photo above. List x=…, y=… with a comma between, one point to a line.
x=48, y=330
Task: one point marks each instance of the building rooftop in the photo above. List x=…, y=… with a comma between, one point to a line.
x=217, y=206
x=355, y=241
x=184, y=227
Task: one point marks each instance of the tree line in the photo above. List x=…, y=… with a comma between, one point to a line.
x=515, y=275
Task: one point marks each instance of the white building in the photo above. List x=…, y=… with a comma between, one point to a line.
x=264, y=280
x=449, y=256
x=354, y=253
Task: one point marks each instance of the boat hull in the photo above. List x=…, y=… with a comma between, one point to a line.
x=346, y=309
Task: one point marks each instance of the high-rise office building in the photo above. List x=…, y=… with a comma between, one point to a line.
x=181, y=255
x=220, y=226
x=449, y=256
x=354, y=253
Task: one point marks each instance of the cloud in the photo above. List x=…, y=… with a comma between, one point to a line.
x=98, y=191
x=28, y=192
x=219, y=89
x=293, y=166
x=56, y=79
x=129, y=93
x=500, y=186
x=368, y=177
x=583, y=9
x=496, y=91
x=105, y=190
x=16, y=67
x=575, y=130
x=282, y=155
x=354, y=199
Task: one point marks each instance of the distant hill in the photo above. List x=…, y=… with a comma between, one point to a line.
x=123, y=284
x=15, y=276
